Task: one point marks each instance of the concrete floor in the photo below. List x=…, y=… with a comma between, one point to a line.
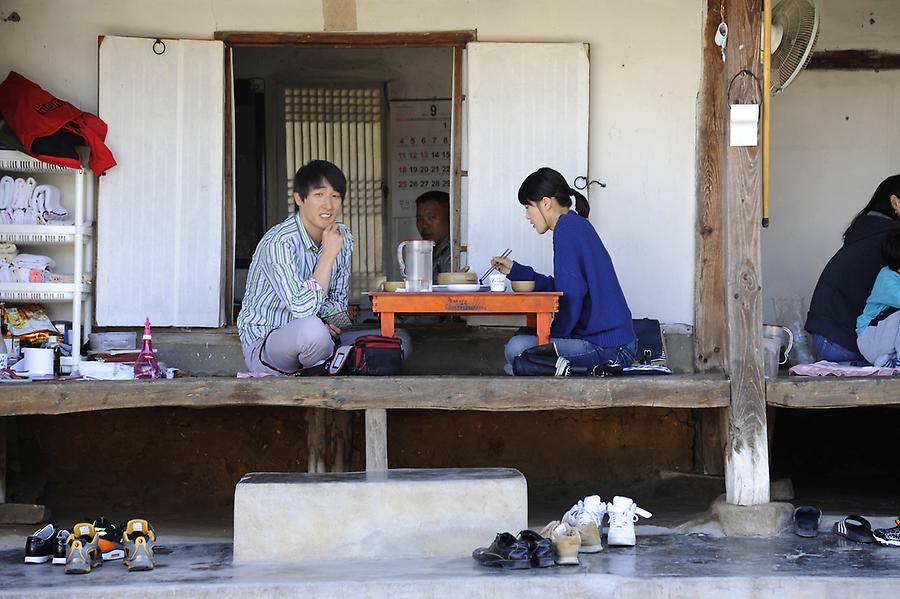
x=663, y=564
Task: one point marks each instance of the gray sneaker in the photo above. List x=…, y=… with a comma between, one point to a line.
x=139, y=539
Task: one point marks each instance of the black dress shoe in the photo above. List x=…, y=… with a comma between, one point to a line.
x=505, y=552
x=40, y=545
x=540, y=549
x=59, y=553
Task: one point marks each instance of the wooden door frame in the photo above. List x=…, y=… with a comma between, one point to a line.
x=456, y=40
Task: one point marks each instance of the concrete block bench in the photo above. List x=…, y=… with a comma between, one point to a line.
x=404, y=513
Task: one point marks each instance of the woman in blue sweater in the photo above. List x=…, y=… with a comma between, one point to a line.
x=593, y=325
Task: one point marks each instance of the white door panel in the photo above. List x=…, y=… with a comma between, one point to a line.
x=160, y=250
x=527, y=106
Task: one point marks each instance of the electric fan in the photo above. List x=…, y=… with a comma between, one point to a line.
x=795, y=28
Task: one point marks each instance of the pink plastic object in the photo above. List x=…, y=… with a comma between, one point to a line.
x=146, y=366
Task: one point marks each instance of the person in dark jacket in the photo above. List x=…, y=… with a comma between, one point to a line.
x=593, y=326
x=847, y=279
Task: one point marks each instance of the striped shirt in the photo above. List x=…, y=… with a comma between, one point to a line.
x=280, y=284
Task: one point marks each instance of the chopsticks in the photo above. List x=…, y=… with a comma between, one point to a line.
x=493, y=268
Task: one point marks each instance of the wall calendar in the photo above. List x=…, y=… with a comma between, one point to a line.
x=420, y=151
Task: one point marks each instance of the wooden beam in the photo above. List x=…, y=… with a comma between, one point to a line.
x=833, y=392
x=747, y=456
x=3, y=469
x=238, y=39
x=854, y=60
x=376, y=440
x=711, y=432
x=709, y=295
x=456, y=155
x=228, y=185
x=499, y=393
x=316, y=440
x=340, y=440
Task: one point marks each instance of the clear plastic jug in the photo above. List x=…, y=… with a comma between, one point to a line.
x=417, y=267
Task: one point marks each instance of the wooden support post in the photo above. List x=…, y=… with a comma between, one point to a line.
x=316, y=439
x=710, y=433
x=2, y=460
x=376, y=440
x=709, y=291
x=747, y=456
x=709, y=294
x=340, y=440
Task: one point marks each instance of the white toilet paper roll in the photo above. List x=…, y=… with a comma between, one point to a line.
x=38, y=360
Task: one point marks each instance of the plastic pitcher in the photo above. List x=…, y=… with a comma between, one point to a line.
x=773, y=338
x=416, y=268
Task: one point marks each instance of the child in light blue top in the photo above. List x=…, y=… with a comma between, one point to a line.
x=878, y=327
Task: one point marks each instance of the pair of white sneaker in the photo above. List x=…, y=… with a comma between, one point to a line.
x=621, y=513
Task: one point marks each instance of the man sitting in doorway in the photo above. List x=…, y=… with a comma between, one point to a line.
x=433, y=223
x=295, y=303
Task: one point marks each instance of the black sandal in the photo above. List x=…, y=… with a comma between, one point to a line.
x=855, y=528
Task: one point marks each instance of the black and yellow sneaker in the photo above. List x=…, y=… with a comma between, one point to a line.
x=83, y=553
x=139, y=540
x=110, y=539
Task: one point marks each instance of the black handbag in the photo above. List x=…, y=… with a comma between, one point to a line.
x=544, y=360
x=651, y=349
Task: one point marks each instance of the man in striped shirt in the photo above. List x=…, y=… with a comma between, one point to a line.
x=295, y=303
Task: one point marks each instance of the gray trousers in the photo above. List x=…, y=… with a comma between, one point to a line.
x=881, y=343
x=307, y=342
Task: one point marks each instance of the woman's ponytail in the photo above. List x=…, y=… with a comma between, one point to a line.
x=581, y=204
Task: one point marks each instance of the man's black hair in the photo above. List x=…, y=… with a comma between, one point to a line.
x=890, y=250
x=441, y=197
x=311, y=176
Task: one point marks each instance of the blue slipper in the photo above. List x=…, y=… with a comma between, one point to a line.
x=806, y=521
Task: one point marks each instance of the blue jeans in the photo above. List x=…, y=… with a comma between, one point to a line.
x=831, y=351
x=578, y=351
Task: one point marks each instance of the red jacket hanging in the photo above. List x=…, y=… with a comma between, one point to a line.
x=42, y=121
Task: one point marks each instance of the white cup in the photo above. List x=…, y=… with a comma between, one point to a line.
x=498, y=282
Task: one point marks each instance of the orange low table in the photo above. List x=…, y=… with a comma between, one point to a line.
x=537, y=305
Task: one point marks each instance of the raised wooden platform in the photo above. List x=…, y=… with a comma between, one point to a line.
x=833, y=392
x=361, y=393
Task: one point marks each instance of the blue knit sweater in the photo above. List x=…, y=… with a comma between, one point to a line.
x=592, y=306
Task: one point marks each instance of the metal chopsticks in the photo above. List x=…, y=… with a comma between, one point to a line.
x=492, y=268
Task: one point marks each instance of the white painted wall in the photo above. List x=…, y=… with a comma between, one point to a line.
x=835, y=137
x=645, y=70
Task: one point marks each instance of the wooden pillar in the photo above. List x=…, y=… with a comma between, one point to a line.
x=376, y=440
x=2, y=460
x=746, y=456
x=340, y=440
x=709, y=296
x=709, y=304
x=316, y=439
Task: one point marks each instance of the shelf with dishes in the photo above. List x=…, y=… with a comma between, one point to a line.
x=42, y=292
x=43, y=234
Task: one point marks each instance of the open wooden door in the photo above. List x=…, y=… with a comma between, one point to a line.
x=160, y=246
x=527, y=107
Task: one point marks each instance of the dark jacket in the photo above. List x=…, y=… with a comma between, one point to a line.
x=847, y=280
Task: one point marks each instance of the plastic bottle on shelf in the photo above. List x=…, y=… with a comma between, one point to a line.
x=146, y=366
x=801, y=352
